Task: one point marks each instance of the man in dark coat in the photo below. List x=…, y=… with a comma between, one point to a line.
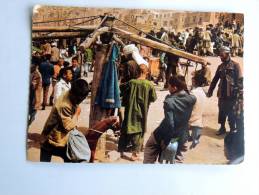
x=228, y=73
x=47, y=70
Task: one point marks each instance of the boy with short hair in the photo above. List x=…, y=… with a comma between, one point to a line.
x=63, y=84
x=76, y=69
x=137, y=97
x=195, y=122
x=177, y=109
x=61, y=121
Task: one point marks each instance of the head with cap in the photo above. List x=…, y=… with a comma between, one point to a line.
x=224, y=53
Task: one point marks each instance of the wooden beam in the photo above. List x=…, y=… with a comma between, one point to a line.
x=156, y=45
x=59, y=36
x=62, y=28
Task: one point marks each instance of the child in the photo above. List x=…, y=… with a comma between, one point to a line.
x=76, y=68
x=195, y=121
x=137, y=98
x=63, y=84
x=61, y=121
x=177, y=109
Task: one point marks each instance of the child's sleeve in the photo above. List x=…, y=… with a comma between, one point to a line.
x=169, y=120
x=152, y=94
x=66, y=115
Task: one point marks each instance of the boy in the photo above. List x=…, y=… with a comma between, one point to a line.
x=57, y=68
x=195, y=121
x=63, y=84
x=62, y=119
x=177, y=109
x=76, y=69
x=137, y=98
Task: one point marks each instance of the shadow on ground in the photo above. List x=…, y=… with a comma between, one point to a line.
x=210, y=132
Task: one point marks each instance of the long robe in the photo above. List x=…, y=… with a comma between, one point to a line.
x=137, y=98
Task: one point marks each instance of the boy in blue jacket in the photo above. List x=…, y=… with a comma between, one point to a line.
x=177, y=110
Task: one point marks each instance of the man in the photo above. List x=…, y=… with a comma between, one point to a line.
x=62, y=119
x=89, y=56
x=46, y=69
x=185, y=36
x=235, y=42
x=171, y=70
x=46, y=48
x=54, y=53
x=207, y=42
x=57, y=69
x=228, y=73
x=130, y=65
x=35, y=92
x=76, y=69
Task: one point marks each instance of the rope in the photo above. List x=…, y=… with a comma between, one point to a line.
x=95, y=131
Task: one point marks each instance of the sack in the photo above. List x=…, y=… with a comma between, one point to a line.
x=169, y=153
x=77, y=147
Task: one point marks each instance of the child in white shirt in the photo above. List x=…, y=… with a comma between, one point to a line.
x=196, y=120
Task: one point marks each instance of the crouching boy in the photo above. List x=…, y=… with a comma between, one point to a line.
x=62, y=119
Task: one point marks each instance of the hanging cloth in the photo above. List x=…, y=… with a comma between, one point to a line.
x=108, y=95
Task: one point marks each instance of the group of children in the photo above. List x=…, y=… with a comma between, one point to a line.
x=183, y=110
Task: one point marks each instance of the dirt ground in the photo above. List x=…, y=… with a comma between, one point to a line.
x=209, y=151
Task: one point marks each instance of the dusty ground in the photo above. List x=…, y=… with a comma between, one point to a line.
x=209, y=151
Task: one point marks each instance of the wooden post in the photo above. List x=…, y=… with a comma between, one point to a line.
x=96, y=112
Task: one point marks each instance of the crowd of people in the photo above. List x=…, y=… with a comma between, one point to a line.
x=183, y=107
x=204, y=41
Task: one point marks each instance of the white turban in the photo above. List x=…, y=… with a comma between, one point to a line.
x=128, y=49
x=132, y=49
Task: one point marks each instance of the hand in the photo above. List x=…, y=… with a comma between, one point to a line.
x=162, y=145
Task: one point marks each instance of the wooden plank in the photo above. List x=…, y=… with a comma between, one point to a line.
x=62, y=28
x=59, y=36
x=89, y=40
x=156, y=45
